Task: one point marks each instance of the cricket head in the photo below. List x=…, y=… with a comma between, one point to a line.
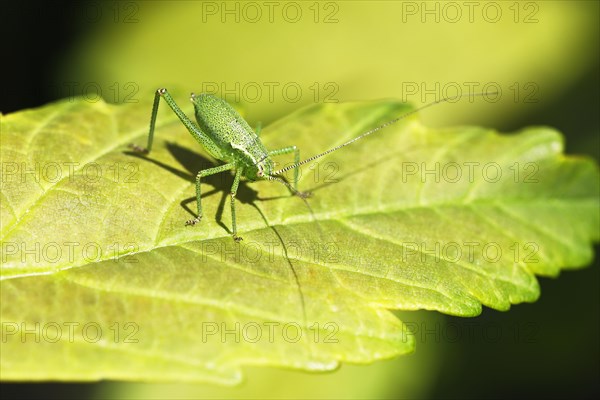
x=261, y=170
x=265, y=170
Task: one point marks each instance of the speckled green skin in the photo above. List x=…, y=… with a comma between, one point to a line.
x=227, y=137
x=231, y=138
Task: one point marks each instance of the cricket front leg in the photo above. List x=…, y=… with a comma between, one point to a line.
x=296, y=151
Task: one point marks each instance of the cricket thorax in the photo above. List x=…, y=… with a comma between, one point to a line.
x=260, y=169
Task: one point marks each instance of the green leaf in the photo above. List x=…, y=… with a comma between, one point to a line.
x=101, y=279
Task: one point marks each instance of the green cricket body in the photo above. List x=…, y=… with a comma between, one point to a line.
x=229, y=138
x=233, y=140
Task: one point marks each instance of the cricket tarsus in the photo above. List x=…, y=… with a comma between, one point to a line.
x=138, y=149
x=193, y=221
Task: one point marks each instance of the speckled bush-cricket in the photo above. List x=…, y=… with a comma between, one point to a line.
x=229, y=138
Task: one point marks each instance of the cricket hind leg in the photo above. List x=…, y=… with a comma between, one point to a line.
x=194, y=129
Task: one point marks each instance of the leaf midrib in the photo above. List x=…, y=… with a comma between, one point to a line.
x=321, y=217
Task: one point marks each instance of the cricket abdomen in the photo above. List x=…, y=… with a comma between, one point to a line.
x=231, y=133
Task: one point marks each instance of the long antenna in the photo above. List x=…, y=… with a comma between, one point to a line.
x=393, y=121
